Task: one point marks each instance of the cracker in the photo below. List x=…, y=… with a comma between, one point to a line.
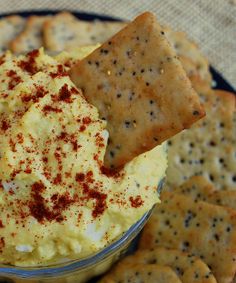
x=134, y=273
x=201, y=149
x=139, y=87
x=198, y=188
x=64, y=31
x=187, y=267
x=202, y=87
x=194, y=62
x=31, y=37
x=205, y=230
x=10, y=27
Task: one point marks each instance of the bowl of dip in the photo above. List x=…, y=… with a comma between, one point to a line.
x=78, y=271
x=63, y=216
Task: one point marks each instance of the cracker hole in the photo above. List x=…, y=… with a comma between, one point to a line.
x=211, y=177
x=201, y=161
x=221, y=160
x=212, y=143
x=234, y=178
x=191, y=144
x=169, y=143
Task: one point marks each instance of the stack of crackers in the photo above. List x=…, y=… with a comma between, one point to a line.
x=64, y=31
x=191, y=236
x=55, y=33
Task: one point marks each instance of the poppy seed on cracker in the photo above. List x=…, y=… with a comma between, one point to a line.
x=205, y=230
x=200, y=189
x=133, y=273
x=139, y=86
x=208, y=148
x=187, y=267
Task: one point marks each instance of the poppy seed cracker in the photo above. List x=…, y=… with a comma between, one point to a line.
x=198, y=188
x=134, y=273
x=10, y=27
x=188, y=268
x=208, y=148
x=139, y=86
x=64, y=31
x=31, y=37
x=199, y=228
x=194, y=62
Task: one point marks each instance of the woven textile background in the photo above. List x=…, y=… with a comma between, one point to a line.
x=211, y=23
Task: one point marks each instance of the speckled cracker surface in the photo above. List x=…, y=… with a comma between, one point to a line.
x=135, y=273
x=31, y=37
x=190, y=55
x=198, y=188
x=9, y=28
x=64, y=31
x=205, y=230
x=202, y=88
x=186, y=266
x=208, y=148
x=139, y=86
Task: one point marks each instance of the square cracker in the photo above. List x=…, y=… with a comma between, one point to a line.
x=199, y=228
x=188, y=268
x=31, y=37
x=64, y=31
x=198, y=188
x=139, y=86
x=208, y=148
x=133, y=273
x=193, y=61
x=10, y=27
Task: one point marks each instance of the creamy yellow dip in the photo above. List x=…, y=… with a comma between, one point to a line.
x=56, y=200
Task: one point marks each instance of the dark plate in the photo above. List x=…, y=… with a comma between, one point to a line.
x=219, y=81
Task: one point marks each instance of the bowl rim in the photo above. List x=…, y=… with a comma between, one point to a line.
x=64, y=268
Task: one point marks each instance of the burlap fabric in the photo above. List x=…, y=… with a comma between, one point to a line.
x=211, y=23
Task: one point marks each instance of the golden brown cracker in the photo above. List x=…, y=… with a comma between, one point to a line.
x=194, y=62
x=31, y=37
x=202, y=229
x=10, y=27
x=135, y=273
x=201, y=149
x=188, y=268
x=64, y=31
x=198, y=188
x=139, y=87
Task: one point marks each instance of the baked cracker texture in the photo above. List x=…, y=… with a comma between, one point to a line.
x=199, y=228
x=198, y=188
x=10, y=27
x=187, y=267
x=208, y=148
x=31, y=37
x=134, y=273
x=139, y=86
x=193, y=61
x=65, y=31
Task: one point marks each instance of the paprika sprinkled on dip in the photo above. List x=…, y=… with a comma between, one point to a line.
x=57, y=200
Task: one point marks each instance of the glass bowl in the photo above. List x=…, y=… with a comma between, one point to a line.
x=75, y=270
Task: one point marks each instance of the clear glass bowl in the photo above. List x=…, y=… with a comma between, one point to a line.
x=76, y=270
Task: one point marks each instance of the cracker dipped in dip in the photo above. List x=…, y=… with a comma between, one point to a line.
x=56, y=200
